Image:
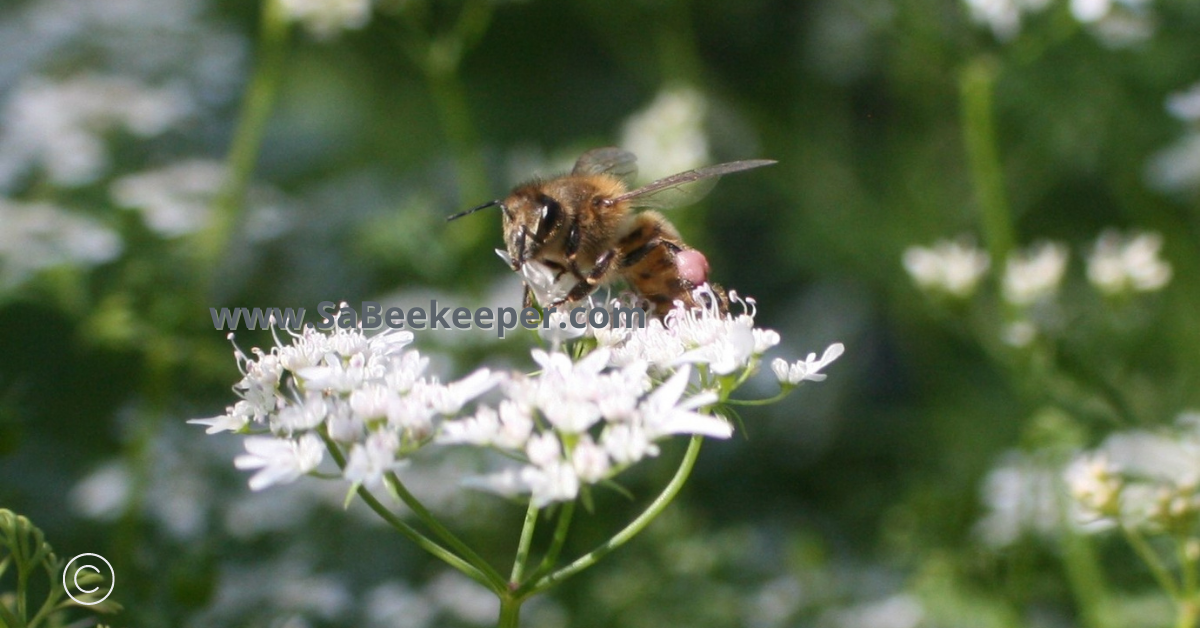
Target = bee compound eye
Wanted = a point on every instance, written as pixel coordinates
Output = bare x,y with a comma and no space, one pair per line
551,214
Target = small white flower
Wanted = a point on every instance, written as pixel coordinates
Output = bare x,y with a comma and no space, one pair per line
231,421
544,449
326,18
663,414
1121,264
369,461
954,268
515,426
302,416
1096,485
554,483
808,369
589,460
627,443
1035,273
480,430
280,460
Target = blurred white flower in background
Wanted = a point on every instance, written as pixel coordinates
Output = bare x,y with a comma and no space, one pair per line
898,611
1115,23
1035,273
1003,16
668,136
177,199
37,236
327,18
950,267
1128,263
1177,167
1021,496
1146,481
60,125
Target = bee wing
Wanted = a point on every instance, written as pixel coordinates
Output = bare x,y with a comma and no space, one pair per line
609,160
685,188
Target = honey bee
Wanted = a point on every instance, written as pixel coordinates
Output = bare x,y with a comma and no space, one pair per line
590,224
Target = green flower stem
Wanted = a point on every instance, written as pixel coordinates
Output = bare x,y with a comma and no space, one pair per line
637,525
424,542
1153,561
1187,602
510,612
439,58
1086,580
408,531
247,139
761,402
556,544
987,176
531,516
444,533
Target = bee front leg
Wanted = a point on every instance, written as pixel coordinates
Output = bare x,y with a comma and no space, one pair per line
571,248
527,299
587,283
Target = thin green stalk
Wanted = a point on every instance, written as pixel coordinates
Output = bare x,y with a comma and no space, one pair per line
247,139
531,517
760,402
987,176
1153,561
1085,579
556,544
444,533
1187,603
454,113
424,542
510,612
637,525
408,531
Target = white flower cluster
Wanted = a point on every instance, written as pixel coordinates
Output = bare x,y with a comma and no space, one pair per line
1141,480
327,18
1114,22
1177,167
668,135
60,125
576,421
1118,264
1121,264
177,199
37,236
950,267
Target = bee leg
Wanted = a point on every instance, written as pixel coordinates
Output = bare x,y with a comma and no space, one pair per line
527,300
587,283
570,248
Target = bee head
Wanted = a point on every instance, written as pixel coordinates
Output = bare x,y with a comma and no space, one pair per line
532,219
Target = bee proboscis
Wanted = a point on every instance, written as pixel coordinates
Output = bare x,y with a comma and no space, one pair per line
587,223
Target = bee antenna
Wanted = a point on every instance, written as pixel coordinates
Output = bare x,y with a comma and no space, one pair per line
475,209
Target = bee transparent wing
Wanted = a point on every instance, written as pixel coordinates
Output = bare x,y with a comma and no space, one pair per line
685,188
609,160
